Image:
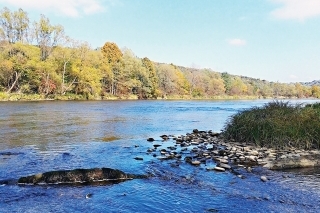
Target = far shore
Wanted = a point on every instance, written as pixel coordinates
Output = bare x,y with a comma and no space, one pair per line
73,97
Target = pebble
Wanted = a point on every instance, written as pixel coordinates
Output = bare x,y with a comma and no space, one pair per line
196,162
225,166
223,161
219,169
254,152
252,158
242,158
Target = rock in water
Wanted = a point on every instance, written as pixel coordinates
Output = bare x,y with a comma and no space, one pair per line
89,195
264,178
78,176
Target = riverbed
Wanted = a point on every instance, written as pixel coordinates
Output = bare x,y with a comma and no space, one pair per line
43,136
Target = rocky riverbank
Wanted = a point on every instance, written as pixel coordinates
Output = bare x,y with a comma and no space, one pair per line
202,147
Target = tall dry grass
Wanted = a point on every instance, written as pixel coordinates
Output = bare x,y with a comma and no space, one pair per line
278,125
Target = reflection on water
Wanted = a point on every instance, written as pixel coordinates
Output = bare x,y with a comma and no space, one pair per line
44,136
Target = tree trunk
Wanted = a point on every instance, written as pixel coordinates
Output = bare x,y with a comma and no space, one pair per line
15,82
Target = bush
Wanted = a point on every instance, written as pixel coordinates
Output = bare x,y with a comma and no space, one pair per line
277,125
4,96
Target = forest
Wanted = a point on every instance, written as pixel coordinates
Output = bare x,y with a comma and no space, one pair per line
39,61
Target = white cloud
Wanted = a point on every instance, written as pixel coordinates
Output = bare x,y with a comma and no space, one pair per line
293,77
237,42
296,9
71,8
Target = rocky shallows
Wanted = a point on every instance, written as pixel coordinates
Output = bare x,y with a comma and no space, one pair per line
202,147
79,176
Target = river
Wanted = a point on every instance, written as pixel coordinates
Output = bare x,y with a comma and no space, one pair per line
43,136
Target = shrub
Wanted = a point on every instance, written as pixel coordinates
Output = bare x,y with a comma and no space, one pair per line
277,124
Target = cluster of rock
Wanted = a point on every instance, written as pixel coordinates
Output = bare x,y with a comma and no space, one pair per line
198,147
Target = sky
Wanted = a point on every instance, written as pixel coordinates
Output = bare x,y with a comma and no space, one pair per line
273,40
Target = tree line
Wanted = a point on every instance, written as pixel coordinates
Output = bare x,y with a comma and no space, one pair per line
39,58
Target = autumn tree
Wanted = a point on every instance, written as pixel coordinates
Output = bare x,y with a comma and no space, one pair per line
112,56
238,87
167,79
315,90
216,85
183,85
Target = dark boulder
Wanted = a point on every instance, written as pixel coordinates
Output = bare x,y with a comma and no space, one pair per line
77,176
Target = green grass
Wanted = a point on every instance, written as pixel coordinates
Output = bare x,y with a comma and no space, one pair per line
278,125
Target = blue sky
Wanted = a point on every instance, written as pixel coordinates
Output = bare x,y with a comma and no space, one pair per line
275,40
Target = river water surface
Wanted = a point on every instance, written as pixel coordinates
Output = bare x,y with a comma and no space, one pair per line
43,136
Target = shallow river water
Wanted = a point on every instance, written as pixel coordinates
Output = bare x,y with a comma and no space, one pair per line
43,136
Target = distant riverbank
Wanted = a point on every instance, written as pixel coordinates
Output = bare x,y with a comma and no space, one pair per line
74,97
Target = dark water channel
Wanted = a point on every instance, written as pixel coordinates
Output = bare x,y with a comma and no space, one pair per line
44,136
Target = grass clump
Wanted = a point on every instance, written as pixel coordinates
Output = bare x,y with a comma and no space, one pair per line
278,125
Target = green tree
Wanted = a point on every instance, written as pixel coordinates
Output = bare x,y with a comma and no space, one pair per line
6,22
85,72
153,77
227,81
47,36
64,56
14,25
20,26
135,79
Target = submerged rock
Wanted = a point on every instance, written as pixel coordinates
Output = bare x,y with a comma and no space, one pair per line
79,176
138,158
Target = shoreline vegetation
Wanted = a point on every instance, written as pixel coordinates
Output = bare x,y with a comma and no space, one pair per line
38,61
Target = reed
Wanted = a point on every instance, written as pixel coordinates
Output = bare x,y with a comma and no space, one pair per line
277,125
